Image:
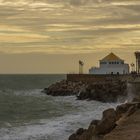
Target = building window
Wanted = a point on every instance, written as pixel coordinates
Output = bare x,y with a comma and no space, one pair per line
115,62
103,63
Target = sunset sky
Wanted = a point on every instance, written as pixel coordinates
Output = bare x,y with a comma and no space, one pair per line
50,36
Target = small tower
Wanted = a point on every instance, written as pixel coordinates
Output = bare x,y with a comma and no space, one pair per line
132,67
137,54
81,64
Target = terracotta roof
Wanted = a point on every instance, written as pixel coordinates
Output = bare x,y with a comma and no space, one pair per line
111,57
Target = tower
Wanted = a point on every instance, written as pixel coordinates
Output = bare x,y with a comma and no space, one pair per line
132,67
81,64
137,54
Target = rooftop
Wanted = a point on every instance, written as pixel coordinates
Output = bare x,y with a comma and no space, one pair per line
111,57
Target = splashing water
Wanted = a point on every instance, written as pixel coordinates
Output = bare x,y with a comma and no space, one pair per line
28,114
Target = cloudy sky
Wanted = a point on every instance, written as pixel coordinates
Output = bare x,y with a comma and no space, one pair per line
50,36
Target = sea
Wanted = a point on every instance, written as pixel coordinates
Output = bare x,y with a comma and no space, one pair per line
28,114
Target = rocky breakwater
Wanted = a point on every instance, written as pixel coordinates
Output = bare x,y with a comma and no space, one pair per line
105,91
108,90
111,125
64,88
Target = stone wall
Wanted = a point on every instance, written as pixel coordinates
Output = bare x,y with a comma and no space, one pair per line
135,88
88,78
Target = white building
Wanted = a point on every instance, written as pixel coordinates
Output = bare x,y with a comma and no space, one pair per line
111,64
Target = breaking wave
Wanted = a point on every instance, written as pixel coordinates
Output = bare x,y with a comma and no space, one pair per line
66,115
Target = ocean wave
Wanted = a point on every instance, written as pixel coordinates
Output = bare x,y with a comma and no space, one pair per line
58,127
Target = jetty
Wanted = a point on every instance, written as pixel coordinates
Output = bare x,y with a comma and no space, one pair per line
106,83
104,88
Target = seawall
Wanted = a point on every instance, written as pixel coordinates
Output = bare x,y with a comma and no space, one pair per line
133,80
88,78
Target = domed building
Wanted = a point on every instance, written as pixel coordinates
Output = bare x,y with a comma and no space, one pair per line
111,64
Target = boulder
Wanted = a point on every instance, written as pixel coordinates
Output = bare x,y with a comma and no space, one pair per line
136,99
105,91
121,109
76,136
131,110
107,123
80,131
127,109
64,88
95,122
99,129
73,137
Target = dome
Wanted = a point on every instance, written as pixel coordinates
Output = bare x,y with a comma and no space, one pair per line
111,57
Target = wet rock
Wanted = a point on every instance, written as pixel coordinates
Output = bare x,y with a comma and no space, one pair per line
95,122
99,129
64,88
76,136
105,91
131,110
80,131
121,109
136,99
127,109
107,123
73,137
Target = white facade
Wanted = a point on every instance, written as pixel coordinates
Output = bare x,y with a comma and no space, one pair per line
111,64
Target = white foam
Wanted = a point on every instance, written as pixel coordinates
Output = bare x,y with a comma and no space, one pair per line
35,92
58,128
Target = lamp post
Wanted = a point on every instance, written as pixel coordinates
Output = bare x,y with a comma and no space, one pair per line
81,64
137,55
132,67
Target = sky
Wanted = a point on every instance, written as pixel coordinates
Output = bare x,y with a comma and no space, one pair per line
50,36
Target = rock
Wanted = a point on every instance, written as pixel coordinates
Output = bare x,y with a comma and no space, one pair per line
73,137
105,91
121,109
76,136
95,122
134,106
80,131
129,126
136,99
99,129
107,123
127,109
131,110
64,88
